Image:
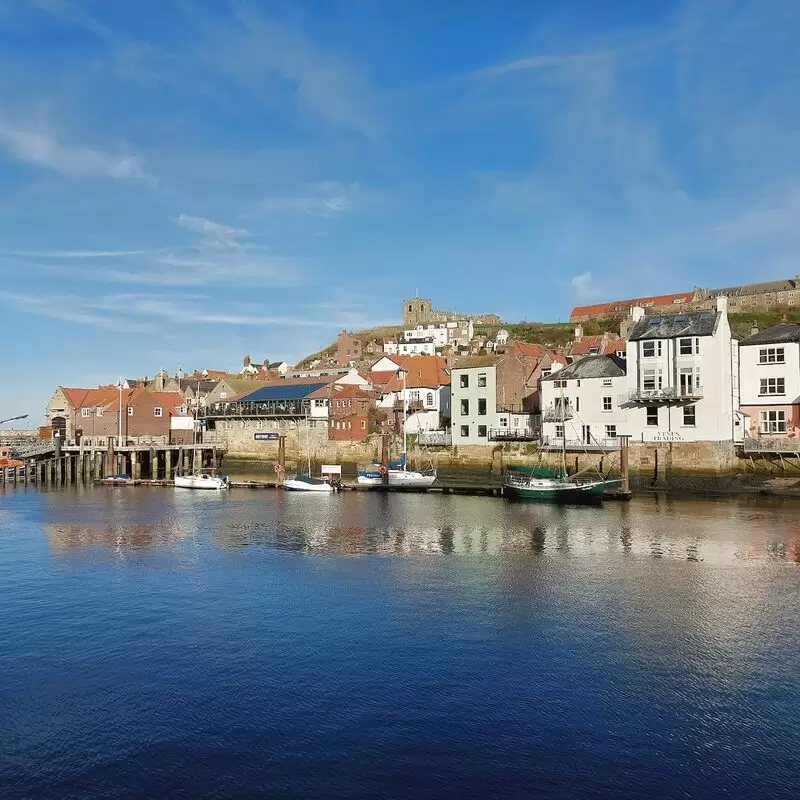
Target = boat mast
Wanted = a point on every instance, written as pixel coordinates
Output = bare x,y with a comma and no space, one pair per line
563,438
405,419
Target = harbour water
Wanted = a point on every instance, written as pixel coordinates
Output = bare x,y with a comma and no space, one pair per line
161,643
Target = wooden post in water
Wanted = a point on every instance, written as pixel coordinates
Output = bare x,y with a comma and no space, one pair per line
624,464
111,463
168,464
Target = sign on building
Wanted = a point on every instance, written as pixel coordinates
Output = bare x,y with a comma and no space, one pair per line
265,437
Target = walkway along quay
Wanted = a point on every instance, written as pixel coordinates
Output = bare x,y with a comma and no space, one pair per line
68,464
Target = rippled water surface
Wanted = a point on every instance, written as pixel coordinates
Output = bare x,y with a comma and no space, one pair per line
156,643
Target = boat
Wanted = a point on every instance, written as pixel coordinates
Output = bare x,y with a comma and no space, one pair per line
555,486
397,475
117,480
201,480
305,483
560,490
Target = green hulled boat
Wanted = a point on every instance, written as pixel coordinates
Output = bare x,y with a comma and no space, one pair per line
553,489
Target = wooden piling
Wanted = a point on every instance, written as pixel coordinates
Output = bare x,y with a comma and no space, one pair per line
624,464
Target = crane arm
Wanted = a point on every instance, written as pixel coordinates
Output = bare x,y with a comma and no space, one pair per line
13,419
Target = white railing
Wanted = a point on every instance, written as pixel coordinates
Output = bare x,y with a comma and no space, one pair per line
435,438
665,394
771,444
555,443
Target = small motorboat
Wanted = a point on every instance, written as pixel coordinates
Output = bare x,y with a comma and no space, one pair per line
201,480
305,483
117,480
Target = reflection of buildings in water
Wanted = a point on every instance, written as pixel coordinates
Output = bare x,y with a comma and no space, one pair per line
73,535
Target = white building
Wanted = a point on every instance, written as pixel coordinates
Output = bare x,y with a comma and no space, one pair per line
423,382
410,347
459,332
769,377
478,415
581,403
683,377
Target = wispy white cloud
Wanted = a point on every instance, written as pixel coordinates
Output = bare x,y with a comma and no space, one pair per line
70,12
583,285
224,234
319,199
42,149
141,313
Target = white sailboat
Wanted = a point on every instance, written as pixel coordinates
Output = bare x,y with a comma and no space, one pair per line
305,483
199,479
399,477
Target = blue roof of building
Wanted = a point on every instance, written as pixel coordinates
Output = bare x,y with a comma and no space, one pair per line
292,391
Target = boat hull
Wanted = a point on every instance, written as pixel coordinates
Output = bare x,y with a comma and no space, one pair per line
204,481
399,479
293,485
551,492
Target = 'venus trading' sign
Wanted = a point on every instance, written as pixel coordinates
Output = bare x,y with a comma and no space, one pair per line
265,437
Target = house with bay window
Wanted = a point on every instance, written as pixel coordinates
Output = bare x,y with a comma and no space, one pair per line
769,369
683,377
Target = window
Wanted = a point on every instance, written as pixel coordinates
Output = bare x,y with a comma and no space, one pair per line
98,412
319,402
652,415
649,380
620,354
86,412
577,404
559,431
465,431
182,410
560,384
773,422
771,355
158,411
415,395
429,400
651,349
130,411
464,408
481,379
689,416
363,424
688,347
503,422
463,381
606,381
773,386
482,407
482,431
546,373
606,404
223,395
611,431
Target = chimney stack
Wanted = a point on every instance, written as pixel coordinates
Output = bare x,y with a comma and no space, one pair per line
578,332
247,361
754,329
722,304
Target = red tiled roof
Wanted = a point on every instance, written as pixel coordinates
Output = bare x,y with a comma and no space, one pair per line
89,398
588,343
422,372
381,378
617,306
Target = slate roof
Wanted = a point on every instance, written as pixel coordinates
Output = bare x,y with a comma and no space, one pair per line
473,362
590,367
670,326
765,287
291,391
785,332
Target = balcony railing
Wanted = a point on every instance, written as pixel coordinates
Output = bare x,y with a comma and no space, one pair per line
412,406
667,394
513,435
266,408
771,444
557,413
596,445
435,438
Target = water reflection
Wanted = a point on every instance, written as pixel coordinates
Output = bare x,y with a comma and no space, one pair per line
355,524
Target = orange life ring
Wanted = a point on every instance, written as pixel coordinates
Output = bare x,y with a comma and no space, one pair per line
382,469
278,468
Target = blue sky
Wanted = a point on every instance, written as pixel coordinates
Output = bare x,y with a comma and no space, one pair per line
186,182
